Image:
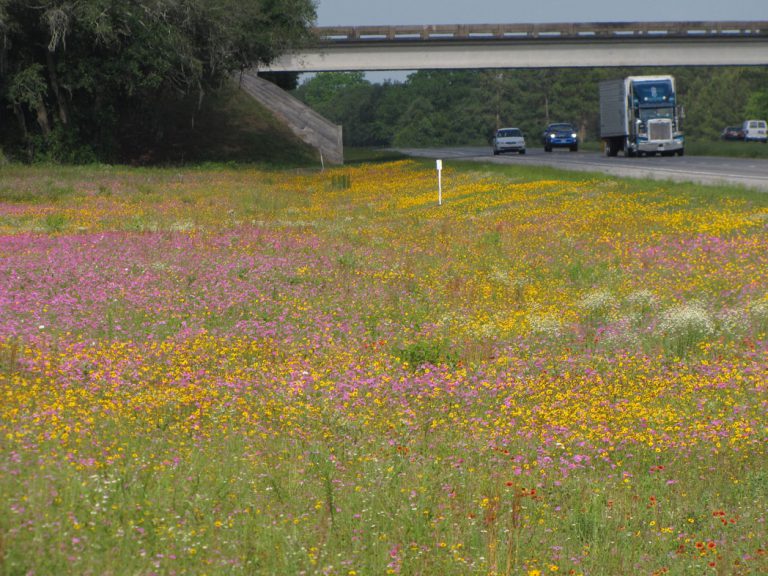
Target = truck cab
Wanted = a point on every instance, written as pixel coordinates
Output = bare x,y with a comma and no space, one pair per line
640,115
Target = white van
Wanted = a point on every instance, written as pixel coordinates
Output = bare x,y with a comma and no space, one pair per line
755,131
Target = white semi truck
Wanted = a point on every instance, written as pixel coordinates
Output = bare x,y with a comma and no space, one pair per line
640,115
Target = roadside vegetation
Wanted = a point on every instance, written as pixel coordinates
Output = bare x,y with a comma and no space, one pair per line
246,370
701,147
727,149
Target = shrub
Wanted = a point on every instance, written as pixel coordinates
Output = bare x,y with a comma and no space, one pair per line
434,352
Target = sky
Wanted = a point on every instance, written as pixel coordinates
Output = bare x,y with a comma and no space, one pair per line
391,12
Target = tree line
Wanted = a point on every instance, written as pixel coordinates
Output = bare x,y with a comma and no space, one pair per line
465,107
110,80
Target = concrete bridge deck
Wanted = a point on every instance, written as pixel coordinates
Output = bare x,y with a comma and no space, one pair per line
463,46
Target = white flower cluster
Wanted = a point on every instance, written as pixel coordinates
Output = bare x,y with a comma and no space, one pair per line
734,321
599,304
545,325
500,276
687,323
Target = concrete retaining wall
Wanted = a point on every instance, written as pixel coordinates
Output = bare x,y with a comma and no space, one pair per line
307,124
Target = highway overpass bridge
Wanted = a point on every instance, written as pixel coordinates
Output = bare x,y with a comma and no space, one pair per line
477,46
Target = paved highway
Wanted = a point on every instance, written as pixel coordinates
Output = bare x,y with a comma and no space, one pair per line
750,173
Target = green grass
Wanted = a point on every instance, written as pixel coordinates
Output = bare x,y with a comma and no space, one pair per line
730,149
697,147
357,155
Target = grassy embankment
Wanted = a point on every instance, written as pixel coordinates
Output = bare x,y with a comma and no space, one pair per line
253,371
230,127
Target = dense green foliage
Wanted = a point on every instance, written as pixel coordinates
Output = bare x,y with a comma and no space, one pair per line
116,79
464,107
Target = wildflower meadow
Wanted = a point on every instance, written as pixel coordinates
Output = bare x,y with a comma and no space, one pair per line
289,372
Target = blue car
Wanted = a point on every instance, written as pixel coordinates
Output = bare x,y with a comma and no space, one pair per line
560,135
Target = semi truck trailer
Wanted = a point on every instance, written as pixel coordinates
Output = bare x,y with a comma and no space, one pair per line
640,115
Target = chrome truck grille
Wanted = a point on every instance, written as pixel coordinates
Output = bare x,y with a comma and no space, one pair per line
660,130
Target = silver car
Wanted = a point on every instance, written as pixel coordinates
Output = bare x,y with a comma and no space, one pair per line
508,140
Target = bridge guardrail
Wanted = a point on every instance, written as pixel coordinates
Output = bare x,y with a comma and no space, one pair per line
565,31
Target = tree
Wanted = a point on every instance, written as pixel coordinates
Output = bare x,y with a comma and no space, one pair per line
349,99
416,126
390,99
113,74
322,91
757,105
712,98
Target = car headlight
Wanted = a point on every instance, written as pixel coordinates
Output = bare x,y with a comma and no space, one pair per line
552,135
573,135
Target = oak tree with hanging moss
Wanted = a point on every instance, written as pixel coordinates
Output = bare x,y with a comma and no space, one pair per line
107,79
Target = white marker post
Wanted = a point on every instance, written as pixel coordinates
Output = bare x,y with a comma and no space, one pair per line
439,182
